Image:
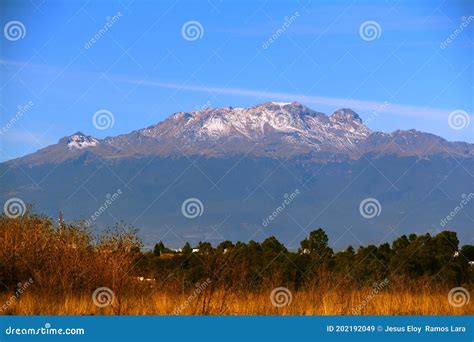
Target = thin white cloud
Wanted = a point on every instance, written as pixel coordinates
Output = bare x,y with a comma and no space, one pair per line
357,105
362,106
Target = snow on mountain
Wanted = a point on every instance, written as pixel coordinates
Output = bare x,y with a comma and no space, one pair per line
281,129
281,103
79,141
252,154
268,122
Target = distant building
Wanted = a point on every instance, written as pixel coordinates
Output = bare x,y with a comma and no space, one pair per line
143,279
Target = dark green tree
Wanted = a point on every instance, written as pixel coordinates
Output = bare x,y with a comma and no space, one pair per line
225,246
205,248
187,249
316,244
159,248
467,252
271,244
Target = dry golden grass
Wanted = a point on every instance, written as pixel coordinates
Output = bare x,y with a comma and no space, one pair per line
222,303
64,267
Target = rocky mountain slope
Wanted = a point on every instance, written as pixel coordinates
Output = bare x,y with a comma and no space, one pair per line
242,163
268,129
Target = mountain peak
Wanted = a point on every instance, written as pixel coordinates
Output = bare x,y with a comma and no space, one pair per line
78,133
271,104
346,114
79,141
281,129
270,125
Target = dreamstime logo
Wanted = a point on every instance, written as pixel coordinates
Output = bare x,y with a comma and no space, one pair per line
465,21
205,106
109,22
200,287
376,289
110,198
286,202
103,119
103,296
192,30
458,119
370,30
370,207
14,207
21,110
376,112
282,120
287,21
14,30
20,289
47,329
465,201
280,297
192,208
458,296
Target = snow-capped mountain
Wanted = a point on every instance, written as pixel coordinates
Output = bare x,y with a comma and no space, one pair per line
268,129
240,163
271,128
79,141
288,122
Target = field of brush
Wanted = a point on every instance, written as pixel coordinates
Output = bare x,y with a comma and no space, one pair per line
47,269
361,302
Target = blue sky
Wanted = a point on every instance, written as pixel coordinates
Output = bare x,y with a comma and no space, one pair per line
142,69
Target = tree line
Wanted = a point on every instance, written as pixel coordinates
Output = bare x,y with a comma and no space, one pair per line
409,261
68,258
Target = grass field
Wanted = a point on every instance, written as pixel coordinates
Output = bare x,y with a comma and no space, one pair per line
222,303
46,270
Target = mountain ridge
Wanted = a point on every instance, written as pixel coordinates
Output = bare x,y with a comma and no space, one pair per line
278,129
240,163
